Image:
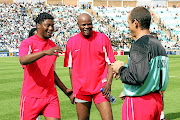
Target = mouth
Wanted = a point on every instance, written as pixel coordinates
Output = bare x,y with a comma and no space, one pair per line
87,31
49,33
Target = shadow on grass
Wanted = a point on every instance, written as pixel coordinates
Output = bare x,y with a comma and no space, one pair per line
172,116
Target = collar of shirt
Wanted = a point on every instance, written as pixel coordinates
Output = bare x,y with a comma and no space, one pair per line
141,37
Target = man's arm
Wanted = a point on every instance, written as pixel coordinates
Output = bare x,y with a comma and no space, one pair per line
66,91
107,87
70,74
135,73
27,59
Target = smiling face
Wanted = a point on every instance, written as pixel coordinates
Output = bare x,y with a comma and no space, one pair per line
85,25
45,28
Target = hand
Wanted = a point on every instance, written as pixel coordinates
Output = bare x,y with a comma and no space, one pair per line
69,93
122,95
116,75
107,90
53,51
116,65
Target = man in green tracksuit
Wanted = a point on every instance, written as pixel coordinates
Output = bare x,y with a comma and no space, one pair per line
146,73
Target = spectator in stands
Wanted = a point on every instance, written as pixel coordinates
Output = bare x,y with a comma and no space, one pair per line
88,56
146,73
38,53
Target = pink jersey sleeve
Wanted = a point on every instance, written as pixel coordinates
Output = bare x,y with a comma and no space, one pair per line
110,56
25,48
68,56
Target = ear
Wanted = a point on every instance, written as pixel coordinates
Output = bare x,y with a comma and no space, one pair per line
38,25
136,23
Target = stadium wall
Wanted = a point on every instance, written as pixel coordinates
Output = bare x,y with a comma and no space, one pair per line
70,2
130,3
119,52
6,1
100,3
54,2
62,2
173,3
115,3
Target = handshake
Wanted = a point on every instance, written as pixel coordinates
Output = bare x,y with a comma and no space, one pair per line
116,65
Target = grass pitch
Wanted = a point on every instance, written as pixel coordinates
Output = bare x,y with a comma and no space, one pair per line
11,78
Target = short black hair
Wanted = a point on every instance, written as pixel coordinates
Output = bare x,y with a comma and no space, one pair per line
43,16
142,15
31,32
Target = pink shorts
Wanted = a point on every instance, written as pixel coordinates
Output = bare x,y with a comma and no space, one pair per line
97,98
147,107
31,107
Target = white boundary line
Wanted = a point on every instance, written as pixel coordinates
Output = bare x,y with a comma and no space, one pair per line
175,76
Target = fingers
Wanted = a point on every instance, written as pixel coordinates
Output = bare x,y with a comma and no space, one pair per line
72,98
73,101
106,92
117,77
122,96
57,49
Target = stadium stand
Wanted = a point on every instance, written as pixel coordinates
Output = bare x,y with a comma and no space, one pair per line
16,19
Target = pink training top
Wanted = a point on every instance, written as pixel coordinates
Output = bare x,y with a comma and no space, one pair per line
39,75
88,58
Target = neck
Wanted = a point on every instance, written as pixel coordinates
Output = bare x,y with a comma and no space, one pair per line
39,35
142,32
87,36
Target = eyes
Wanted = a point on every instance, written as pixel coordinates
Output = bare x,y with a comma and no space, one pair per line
89,24
49,25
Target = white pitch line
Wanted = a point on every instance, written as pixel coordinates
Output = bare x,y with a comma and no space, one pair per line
175,76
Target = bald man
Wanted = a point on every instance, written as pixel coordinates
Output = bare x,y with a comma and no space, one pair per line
88,56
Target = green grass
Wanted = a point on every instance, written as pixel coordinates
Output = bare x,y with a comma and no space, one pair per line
11,78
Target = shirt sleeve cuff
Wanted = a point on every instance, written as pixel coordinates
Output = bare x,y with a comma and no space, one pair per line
121,69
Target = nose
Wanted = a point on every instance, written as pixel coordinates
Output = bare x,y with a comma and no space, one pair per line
86,26
51,28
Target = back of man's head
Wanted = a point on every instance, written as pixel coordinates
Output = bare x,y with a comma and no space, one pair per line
43,16
142,15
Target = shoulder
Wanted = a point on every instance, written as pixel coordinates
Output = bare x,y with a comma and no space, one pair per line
27,41
51,43
74,38
100,36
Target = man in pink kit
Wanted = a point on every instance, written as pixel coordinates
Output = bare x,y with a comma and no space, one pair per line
88,56
38,53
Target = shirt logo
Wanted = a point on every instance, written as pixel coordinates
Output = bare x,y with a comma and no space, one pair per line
104,80
36,50
77,50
